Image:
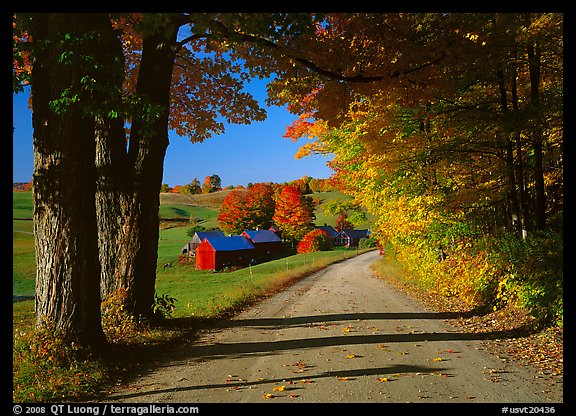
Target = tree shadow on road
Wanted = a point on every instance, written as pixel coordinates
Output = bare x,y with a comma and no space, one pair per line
188,346
239,384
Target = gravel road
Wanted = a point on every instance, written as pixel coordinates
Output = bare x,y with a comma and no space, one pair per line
340,335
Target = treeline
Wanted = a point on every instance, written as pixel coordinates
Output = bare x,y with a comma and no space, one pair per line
212,183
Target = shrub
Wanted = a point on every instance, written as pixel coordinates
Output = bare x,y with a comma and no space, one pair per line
316,240
117,323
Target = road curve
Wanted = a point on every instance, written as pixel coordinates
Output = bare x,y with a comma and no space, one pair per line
340,335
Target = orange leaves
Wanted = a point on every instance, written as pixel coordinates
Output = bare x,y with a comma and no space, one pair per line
316,240
247,209
293,213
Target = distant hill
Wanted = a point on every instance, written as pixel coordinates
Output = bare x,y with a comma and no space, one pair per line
183,207
20,186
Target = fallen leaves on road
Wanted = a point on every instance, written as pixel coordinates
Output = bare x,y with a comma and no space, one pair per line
349,356
279,388
384,379
268,396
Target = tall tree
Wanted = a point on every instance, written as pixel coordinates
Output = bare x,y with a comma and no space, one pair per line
70,79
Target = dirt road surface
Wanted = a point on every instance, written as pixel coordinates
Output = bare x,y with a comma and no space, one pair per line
340,335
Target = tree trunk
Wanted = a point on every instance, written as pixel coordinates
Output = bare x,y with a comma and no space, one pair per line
534,68
148,144
130,183
522,197
67,267
514,210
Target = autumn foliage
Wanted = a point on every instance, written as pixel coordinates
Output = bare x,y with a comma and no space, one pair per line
451,137
293,213
315,240
247,209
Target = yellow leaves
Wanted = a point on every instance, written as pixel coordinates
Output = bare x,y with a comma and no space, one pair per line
438,359
351,356
268,396
383,379
279,388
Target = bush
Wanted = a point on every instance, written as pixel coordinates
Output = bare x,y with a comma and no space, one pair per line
48,368
369,242
316,240
534,274
117,323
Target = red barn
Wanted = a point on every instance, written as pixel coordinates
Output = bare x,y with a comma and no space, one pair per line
221,252
266,243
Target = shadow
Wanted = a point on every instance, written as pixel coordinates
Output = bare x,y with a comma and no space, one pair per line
381,371
16,298
243,349
180,212
180,349
276,323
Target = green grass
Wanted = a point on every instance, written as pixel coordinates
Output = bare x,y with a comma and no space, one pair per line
22,205
23,258
207,294
185,212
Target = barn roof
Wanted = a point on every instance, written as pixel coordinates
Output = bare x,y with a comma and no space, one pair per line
262,236
355,233
233,243
328,229
201,235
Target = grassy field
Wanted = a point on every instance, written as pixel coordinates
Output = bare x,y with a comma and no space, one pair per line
203,208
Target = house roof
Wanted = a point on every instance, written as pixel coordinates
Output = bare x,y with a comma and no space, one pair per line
199,236
355,233
328,229
233,243
262,236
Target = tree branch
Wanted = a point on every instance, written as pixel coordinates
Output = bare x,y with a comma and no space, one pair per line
360,78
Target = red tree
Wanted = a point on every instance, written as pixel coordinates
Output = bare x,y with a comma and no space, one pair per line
315,240
247,209
294,213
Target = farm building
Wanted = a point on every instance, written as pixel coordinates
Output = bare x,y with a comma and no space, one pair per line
220,252
190,247
266,243
350,238
328,229
276,230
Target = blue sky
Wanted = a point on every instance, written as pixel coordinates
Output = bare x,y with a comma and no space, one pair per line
244,153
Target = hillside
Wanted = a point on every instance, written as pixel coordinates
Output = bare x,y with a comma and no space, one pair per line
182,207
204,207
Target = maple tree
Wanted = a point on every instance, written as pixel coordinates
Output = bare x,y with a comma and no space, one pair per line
342,222
211,183
315,240
293,214
247,209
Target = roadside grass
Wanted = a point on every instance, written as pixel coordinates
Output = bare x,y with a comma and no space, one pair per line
207,294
